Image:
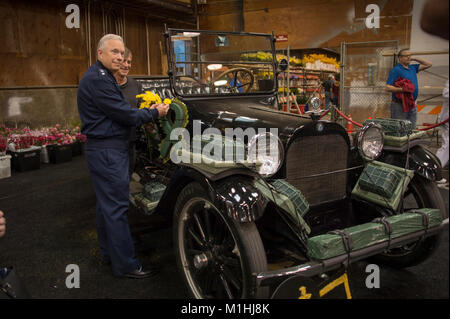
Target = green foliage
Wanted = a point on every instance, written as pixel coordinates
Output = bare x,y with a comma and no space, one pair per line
302,99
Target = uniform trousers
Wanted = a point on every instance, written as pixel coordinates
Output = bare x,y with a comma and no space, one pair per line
110,177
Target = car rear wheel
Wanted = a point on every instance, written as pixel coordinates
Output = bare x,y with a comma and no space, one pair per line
421,193
216,254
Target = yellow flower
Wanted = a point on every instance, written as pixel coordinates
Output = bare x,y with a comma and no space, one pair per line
149,98
167,101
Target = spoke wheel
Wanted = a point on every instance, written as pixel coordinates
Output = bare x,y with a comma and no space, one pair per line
215,254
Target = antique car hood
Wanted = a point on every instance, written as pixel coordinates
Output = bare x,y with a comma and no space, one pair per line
244,113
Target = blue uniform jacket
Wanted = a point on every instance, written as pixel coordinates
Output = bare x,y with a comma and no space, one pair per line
106,116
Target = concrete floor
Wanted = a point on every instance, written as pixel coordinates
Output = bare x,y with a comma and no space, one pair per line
51,224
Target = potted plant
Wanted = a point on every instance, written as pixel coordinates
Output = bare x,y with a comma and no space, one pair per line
59,148
24,155
3,139
79,141
302,99
39,139
5,160
265,82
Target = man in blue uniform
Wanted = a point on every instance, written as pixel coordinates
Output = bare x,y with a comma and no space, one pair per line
408,71
106,119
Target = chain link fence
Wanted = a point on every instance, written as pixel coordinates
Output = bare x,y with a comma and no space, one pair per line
365,67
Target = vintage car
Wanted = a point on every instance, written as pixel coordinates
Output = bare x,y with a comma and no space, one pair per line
256,196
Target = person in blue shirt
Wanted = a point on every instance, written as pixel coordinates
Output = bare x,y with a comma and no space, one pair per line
407,71
236,85
106,120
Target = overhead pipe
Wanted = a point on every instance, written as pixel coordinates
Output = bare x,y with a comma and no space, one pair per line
168,19
171,6
88,31
242,15
5,88
147,45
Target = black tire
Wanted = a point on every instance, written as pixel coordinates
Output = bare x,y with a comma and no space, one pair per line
215,254
426,194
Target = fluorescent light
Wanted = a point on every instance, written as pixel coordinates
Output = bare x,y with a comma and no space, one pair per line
213,67
220,83
191,34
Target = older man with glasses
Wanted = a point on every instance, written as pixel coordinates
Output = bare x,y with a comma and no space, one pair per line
106,119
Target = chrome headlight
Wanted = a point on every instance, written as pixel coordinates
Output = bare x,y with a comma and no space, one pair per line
370,141
267,149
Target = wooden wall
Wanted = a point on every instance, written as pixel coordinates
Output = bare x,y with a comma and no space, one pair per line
37,46
41,51
43,60
311,23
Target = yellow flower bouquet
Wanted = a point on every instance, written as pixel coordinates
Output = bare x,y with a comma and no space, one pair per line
149,98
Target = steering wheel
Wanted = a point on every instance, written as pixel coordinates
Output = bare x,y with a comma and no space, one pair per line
196,84
190,79
243,73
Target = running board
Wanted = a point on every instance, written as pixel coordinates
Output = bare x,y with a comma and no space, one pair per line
314,268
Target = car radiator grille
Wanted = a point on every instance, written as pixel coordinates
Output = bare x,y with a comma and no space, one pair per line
314,155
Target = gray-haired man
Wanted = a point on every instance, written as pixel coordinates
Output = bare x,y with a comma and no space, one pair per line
106,119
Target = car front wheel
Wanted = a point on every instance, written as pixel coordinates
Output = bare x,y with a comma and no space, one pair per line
216,254
421,193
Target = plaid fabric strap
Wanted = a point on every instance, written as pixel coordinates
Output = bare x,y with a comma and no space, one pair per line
347,240
387,228
425,220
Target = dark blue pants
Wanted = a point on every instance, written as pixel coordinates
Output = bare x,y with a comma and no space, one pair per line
110,177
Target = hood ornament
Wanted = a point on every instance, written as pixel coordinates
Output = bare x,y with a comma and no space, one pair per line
314,108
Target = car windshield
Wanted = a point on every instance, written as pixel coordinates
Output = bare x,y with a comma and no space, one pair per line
212,63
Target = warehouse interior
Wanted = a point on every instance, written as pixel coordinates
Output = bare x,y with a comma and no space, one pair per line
49,191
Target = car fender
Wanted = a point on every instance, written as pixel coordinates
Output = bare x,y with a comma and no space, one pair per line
235,194
421,160
180,178
239,198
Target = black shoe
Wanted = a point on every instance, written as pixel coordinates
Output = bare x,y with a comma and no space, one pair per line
105,262
141,273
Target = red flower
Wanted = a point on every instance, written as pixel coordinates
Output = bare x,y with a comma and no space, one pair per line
2,144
